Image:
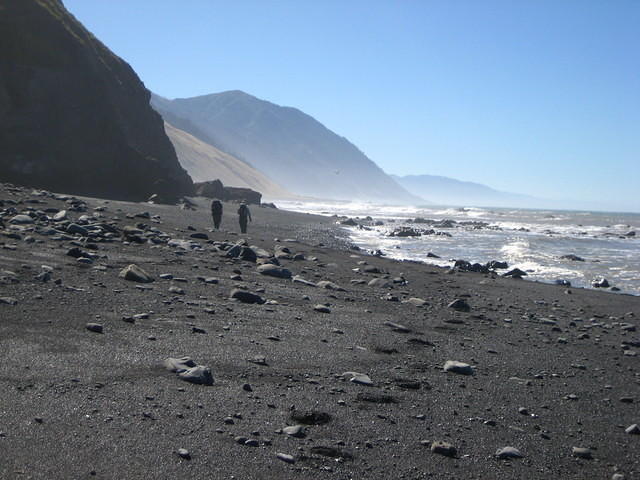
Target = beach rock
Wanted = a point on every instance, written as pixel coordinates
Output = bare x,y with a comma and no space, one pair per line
572,257
633,429
515,273
396,327
285,457
418,302
178,365
466,266
76,252
8,301
246,297
460,305
601,283
458,367
496,265
94,327
371,269
405,232
184,453
508,452
134,273
380,283
299,279
199,375
310,417
322,308
274,271
176,290
21,220
297,431
74,228
199,236
330,286
359,378
581,452
443,448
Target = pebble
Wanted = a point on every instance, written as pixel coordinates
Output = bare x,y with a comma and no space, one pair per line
396,327
330,286
633,429
94,327
200,375
508,452
418,302
581,452
21,220
297,431
458,367
274,271
8,301
443,448
322,308
285,457
460,305
359,378
184,453
246,297
134,273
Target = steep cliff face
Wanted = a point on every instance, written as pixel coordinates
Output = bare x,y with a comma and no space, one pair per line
74,117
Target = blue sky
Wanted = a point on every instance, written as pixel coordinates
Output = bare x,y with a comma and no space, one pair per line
537,97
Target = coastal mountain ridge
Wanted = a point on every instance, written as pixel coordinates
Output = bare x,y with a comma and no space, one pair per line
204,162
449,191
73,115
287,145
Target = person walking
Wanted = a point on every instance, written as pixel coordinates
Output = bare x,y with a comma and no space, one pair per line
243,215
216,213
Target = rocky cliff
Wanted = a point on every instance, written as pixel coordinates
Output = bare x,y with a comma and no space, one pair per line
74,117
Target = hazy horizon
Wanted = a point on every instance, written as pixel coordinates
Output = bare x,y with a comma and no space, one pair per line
532,98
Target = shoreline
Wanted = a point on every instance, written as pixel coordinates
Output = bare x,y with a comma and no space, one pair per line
546,253
550,370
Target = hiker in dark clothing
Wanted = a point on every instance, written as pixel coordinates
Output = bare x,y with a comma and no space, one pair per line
216,213
243,214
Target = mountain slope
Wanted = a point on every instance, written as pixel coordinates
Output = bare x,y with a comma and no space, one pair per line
287,145
449,191
205,162
73,115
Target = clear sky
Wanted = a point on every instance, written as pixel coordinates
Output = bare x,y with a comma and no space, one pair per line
538,97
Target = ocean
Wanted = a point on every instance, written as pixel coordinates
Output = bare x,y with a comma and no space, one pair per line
531,240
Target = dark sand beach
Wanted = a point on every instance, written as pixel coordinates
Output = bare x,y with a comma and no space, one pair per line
552,369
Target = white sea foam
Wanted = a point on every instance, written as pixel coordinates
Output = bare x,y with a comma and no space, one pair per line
526,239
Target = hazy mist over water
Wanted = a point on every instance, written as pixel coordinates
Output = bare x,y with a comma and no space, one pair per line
532,240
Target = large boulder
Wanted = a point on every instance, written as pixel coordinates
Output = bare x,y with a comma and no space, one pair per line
210,189
241,194
74,116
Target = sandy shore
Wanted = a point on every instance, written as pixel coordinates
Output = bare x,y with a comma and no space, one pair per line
552,368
